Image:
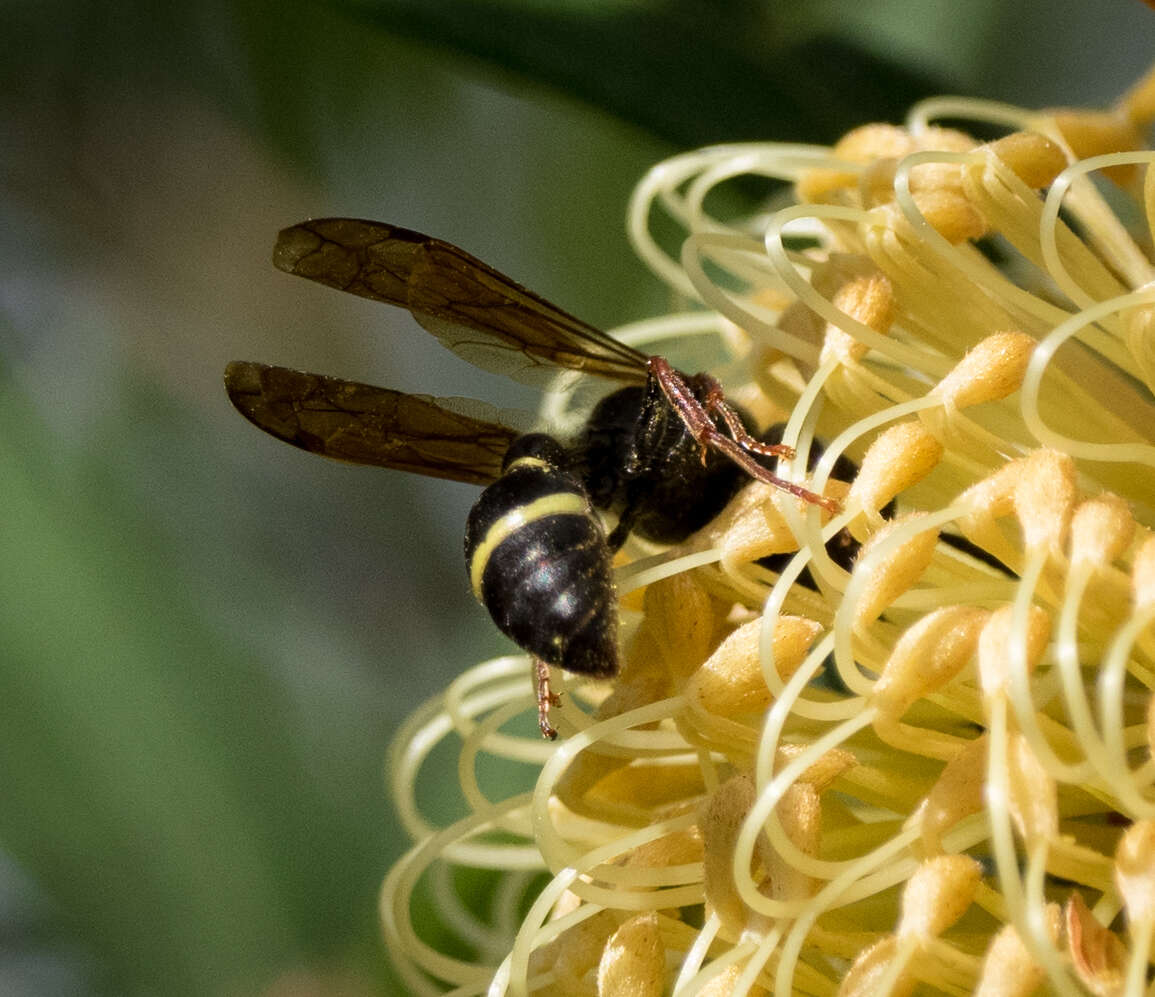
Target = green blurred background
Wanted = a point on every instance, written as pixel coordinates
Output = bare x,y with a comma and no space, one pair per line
207,638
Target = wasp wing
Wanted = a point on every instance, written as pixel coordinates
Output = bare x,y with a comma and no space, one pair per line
452,438
479,313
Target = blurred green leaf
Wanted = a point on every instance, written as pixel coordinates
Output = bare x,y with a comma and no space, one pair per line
690,71
152,769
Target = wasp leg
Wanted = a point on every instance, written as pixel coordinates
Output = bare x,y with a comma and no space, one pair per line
618,535
545,699
715,401
696,417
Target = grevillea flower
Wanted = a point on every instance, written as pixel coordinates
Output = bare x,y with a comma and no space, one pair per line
904,747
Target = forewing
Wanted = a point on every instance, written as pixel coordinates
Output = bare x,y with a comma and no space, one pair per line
479,313
443,438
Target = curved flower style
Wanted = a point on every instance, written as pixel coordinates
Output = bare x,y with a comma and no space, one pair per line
904,747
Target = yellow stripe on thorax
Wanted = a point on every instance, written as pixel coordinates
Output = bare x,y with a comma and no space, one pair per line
558,503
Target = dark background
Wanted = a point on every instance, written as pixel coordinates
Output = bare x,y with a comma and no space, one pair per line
207,638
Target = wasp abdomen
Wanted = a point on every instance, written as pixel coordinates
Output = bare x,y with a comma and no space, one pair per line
538,561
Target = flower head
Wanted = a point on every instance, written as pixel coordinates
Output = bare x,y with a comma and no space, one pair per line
899,745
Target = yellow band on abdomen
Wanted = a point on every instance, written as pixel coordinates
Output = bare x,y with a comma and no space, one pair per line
559,503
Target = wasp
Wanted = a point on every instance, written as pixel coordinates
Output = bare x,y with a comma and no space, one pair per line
664,453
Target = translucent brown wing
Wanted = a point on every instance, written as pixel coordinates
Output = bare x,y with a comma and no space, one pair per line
457,439
479,313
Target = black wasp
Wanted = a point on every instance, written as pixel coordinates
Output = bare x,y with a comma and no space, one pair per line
664,454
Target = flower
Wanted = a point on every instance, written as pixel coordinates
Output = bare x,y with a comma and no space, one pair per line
909,744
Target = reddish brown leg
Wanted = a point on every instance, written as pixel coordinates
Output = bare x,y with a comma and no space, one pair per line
700,425
545,699
716,402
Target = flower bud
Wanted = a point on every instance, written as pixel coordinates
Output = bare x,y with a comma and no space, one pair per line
957,793
730,682
1101,530
821,773
899,457
680,616
861,145
748,528
938,894
927,656
721,818
576,951
992,370
951,215
1032,157
1031,793
870,966
995,651
800,812
994,496
634,960
1045,498
1009,970
1095,133
675,848
868,299
724,984
888,578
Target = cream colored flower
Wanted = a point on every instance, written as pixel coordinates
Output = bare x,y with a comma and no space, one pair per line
817,775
